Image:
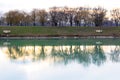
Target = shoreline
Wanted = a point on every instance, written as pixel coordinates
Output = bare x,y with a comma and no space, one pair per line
58,37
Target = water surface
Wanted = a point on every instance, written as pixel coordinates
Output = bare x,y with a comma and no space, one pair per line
60,59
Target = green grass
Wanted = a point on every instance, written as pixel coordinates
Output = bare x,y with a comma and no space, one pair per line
84,31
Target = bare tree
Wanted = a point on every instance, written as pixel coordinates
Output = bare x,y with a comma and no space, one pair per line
42,16
53,16
82,15
14,17
71,13
115,13
34,16
62,16
26,19
98,15
9,18
77,18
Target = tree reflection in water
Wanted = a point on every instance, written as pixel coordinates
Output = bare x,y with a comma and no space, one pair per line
64,54
82,56
14,52
98,56
42,54
115,54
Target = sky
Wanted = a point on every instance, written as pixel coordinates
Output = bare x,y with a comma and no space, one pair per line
27,5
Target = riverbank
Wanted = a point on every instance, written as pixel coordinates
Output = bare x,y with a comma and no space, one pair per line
63,32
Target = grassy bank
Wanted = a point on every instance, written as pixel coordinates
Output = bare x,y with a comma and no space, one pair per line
58,31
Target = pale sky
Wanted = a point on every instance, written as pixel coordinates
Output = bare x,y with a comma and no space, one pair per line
27,5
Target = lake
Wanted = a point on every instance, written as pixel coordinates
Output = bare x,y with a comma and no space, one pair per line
60,59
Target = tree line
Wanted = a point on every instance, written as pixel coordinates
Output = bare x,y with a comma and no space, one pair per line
62,16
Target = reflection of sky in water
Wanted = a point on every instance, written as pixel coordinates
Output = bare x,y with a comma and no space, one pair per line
45,71
48,70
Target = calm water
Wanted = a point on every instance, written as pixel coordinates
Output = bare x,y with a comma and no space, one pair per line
60,59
